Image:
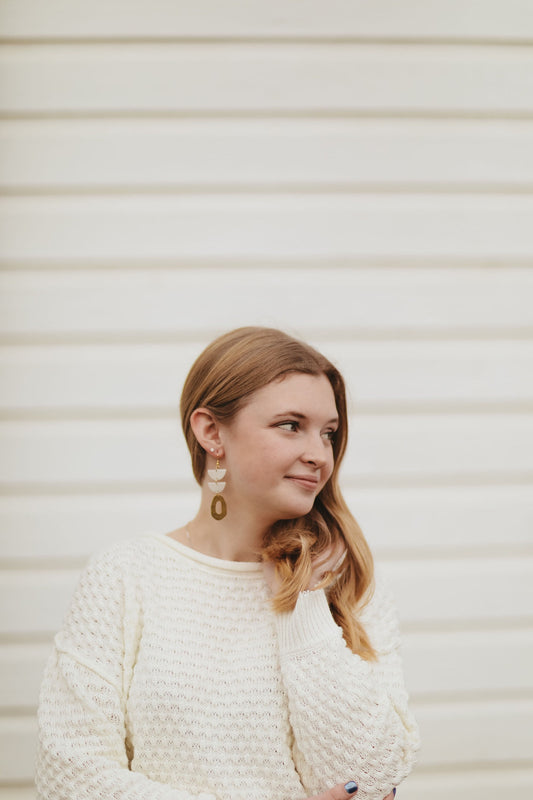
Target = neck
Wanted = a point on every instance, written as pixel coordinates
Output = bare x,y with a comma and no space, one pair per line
237,537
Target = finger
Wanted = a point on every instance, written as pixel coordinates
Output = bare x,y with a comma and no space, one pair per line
342,791
329,562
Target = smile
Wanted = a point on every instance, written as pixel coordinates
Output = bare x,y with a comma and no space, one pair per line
305,481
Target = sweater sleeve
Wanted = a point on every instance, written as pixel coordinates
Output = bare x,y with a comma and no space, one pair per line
349,716
82,751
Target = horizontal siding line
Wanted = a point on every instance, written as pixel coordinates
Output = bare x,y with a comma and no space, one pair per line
17,712
474,766
511,478
425,700
34,638
360,409
71,564
382,555
57,489
499,551
313,263
261,114
72,339
495,479
54,564
285,42
280,39
467,625
151,190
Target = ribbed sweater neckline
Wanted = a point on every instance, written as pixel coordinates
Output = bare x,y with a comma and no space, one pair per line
217,564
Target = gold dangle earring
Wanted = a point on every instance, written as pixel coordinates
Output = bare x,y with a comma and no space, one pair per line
217,485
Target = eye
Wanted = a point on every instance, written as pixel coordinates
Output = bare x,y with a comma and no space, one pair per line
329,435
290,425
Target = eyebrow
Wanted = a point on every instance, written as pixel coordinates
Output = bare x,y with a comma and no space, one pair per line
299,415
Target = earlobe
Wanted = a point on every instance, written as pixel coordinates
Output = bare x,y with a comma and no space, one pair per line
205,428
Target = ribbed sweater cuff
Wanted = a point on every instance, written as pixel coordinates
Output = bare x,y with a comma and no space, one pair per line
310,622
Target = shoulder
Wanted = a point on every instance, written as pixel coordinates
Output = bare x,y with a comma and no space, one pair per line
380,618
111,569
126,555
107,586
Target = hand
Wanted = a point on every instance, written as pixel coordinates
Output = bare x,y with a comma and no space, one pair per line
339,792
330,560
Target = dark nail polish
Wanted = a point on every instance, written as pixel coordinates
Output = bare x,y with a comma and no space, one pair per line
351,787
394,791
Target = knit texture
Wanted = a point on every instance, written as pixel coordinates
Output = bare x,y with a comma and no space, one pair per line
173,679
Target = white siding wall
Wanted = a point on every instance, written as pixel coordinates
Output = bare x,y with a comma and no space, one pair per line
359,173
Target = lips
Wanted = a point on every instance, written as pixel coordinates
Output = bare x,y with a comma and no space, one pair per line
306,481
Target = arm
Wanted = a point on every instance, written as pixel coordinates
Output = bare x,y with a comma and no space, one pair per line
349,716
82,748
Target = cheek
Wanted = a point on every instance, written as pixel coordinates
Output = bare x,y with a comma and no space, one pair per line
330,466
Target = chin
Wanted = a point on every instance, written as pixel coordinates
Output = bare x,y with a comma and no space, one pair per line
295,512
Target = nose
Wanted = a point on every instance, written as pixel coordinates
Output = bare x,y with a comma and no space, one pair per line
316,453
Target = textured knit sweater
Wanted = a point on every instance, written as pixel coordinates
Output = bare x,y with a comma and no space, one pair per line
173,679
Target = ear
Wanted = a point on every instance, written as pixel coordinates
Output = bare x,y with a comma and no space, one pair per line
205,428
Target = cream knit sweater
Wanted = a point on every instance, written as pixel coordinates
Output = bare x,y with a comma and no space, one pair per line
172,679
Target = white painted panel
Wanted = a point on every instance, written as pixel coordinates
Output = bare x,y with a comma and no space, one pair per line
202,302
425,372
413,449
447,592
258,77
481,784
484,732
62,528
453,734
18,792
18,741
146,378
140,229
77,452
468,662
100,377
21,673
431,592
41,597
494,19
458,664
440,520
397,521
267,153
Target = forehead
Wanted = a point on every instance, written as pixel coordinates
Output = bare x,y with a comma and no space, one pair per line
297,391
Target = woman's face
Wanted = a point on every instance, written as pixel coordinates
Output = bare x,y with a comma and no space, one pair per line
278,449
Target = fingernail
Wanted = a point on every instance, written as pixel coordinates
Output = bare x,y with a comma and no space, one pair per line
394,791
351,787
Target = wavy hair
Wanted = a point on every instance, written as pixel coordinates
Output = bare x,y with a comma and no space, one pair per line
222,379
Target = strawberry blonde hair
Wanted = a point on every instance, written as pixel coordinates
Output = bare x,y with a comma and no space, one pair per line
222,379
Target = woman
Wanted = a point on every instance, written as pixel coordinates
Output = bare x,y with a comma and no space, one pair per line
245,654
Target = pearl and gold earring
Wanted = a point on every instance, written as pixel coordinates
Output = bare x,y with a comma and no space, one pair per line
217,485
